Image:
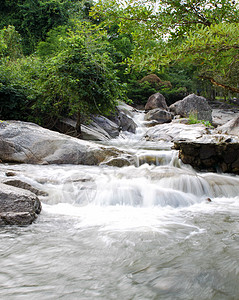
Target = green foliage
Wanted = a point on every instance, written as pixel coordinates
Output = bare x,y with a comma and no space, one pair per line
10,43
139,92
193,119
80,76
76,76
214,51
18,87
203,33
34,18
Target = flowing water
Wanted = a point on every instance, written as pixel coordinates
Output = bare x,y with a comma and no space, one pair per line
139,232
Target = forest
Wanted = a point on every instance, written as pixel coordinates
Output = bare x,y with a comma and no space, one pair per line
70,57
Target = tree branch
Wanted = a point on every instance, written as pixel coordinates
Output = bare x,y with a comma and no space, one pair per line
214,82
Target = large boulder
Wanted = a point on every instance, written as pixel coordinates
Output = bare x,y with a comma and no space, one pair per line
210,156
22,142
17,206
159,115
156,101
193,104
93,132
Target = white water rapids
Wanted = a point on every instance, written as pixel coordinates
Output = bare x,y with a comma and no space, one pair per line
137,232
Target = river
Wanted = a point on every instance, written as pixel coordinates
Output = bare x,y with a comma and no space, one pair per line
147,231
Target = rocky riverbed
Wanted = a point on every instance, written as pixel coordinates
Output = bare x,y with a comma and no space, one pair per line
205,148
155,227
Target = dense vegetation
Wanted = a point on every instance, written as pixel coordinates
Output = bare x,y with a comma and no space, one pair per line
68,57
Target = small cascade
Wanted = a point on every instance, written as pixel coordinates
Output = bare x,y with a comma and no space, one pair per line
141,193
222,185
157,158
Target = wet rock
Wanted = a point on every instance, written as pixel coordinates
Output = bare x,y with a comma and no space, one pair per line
156,101
210,156
118,162
176,131
193,104
24,185
17,206
231,127
10,174
22,142
159,115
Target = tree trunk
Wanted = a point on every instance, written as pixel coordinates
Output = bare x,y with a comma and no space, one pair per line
78,123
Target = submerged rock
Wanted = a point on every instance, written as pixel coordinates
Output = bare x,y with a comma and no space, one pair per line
17,206
118,162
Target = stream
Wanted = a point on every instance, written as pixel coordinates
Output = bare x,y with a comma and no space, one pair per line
156,230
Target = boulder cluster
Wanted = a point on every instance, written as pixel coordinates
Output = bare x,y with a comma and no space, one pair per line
157,111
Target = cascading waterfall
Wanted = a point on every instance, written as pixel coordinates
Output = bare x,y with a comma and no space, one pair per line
153,230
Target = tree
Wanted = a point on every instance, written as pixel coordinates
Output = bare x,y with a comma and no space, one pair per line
79,79
171,31
10,43
74,77
34,18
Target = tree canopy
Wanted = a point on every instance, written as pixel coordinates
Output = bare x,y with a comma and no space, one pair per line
203,33
70,73
68,57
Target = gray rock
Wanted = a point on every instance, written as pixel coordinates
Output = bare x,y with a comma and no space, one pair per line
123,117
124,121
175,131
24,185
159,115
119,162
22,142
17,206
156,101
231,127
193,104
91,131
110,127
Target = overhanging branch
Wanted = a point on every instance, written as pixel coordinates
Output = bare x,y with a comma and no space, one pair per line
227,87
